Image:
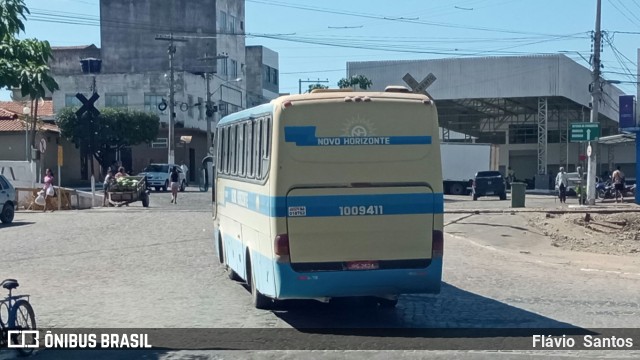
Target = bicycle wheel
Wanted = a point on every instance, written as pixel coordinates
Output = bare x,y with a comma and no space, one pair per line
22,317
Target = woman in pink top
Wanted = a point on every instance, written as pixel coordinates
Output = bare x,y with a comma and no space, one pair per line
48,183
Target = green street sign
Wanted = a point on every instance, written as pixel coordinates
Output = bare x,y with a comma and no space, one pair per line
584,131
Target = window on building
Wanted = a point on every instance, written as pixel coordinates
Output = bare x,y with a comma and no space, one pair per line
223,22
266,74
115,100
200,108
232,24
159,143
222,67
151,102
523,134
274,76
190,102
71,100
242,25
234,68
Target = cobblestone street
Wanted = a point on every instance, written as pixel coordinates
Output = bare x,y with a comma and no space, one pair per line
155,267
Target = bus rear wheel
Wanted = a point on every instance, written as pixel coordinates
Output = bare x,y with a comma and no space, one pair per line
259,301
385,303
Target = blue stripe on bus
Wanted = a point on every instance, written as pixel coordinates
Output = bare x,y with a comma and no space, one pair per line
329,205
306,136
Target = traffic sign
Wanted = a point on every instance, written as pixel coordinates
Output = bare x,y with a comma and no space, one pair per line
88,105
589,151
43,145
419,87
584,131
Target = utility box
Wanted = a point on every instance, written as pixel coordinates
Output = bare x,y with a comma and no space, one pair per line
518,191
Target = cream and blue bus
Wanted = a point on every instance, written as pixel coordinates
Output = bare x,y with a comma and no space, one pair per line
331,194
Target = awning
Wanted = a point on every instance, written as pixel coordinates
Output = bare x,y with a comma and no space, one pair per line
617,139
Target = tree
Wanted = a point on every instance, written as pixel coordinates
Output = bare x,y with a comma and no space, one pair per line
111,131
23,63
317,86
362,81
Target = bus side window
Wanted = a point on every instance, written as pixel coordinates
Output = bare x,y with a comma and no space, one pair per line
240,150
249,150
266,134
227,155
258,148
232,150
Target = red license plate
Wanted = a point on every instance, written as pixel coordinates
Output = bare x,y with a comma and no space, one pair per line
362,265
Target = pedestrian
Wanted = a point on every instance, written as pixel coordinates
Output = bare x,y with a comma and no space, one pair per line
581,193
121,173
49,190
561,185
105,186
185,171
175,184
618,182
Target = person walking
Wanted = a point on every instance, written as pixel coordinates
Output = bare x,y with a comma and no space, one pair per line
49,191
618,182
175,184
105,186
561,185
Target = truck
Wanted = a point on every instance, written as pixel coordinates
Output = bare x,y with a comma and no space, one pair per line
461,162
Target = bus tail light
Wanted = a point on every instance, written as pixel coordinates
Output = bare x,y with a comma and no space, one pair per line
287,104
437,244
282,245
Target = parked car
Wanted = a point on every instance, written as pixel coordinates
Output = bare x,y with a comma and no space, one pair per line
7,200
489,183
158,176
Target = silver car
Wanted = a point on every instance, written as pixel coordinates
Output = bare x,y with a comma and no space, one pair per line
7,200
158,176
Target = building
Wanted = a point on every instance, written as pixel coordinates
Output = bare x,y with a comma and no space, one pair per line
262,69
208,38
523,104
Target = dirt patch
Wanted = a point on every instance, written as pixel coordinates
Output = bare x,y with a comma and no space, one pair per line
616,234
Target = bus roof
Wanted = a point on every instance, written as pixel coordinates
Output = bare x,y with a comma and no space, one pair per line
325,95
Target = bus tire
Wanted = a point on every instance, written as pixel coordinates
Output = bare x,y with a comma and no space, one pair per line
259,301
456,189
220,252
233,275
385,303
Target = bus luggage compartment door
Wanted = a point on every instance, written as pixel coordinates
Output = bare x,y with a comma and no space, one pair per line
361,228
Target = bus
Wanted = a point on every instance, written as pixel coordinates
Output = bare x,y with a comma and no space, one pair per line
331,194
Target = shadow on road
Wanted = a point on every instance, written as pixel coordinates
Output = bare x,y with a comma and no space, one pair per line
16,224
494,225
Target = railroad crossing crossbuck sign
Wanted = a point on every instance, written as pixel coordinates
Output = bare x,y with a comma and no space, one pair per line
87,105
420,87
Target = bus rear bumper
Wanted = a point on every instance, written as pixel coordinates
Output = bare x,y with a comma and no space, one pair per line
327,284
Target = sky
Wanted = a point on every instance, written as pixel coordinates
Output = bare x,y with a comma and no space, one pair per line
315,39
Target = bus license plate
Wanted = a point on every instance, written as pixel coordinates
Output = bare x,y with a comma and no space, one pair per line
362,265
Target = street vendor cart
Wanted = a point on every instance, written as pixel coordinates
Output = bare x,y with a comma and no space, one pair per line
128,189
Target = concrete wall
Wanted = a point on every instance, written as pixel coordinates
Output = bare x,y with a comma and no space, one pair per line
66,60
130,46
258,91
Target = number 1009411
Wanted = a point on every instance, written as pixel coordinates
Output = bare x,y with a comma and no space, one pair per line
361,210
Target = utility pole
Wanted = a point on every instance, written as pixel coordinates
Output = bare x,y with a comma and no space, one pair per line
172,115
210,108
300,81
596,94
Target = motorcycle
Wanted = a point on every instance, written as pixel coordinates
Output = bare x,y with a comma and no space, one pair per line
605,190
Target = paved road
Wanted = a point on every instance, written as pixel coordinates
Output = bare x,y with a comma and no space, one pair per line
155,267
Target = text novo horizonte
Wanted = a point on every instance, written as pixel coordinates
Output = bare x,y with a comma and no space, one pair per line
588,341
358,140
